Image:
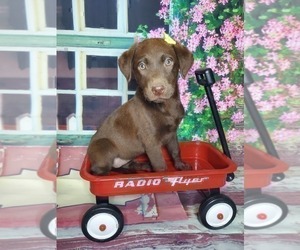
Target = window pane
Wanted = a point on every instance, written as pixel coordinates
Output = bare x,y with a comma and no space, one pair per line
66,107
97,108
50,6
12,109
64,15
49,112
13,15
65,70
14,73
101,14
51,72
102,72
132,85
130,96
144,12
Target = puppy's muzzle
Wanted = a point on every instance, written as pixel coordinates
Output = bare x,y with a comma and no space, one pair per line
158,91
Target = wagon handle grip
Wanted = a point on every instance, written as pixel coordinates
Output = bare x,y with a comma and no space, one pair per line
205,77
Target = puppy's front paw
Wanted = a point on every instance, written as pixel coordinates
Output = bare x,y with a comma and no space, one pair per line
180,165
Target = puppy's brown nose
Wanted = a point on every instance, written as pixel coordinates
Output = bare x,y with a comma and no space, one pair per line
159,90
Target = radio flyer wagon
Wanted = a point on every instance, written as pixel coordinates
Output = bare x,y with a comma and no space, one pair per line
210,171
261,210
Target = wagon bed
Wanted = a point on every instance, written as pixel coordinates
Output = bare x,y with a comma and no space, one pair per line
209,170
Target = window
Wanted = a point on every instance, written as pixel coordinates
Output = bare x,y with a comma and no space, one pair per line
63,68
92,34
27,78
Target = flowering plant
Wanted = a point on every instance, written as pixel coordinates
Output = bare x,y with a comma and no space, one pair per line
272,35
213,31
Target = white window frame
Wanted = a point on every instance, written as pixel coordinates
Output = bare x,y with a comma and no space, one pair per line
80,27
38,65
81,54
38,76
81,89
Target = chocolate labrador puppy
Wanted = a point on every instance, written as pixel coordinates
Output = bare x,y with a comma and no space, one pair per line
150,119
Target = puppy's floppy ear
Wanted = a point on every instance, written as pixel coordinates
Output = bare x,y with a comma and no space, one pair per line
125,62
185,58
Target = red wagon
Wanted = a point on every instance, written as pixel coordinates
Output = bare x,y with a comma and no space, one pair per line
210,170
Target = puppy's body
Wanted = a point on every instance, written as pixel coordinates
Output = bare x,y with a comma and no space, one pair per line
150,119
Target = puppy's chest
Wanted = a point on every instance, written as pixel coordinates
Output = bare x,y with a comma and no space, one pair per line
167,126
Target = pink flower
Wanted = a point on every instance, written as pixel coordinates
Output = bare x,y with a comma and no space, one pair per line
163,13
223,1
264,106
209,42
278,101
293,40
179,30
237,117
285,64
235,135
208,5
250,39
267,2
270,83
249,6
233,64
251,135
211,62
165,2
193,42
212,135
293,90
230,101
157,33
222,69
217,92
283,135
240,90
197,13
200,105
224,43
250,63
185,99
196,65
240,41
222,106
290,117
202,30
183,85
225,83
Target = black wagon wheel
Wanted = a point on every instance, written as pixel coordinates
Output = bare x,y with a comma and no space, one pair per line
263,211
103,222
217,211
48,224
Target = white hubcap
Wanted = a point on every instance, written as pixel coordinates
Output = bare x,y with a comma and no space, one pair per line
219,215
102,226
262,214
52,226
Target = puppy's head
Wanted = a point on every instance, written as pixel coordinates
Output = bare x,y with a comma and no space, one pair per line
155,65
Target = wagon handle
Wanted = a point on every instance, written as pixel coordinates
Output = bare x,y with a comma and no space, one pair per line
205,77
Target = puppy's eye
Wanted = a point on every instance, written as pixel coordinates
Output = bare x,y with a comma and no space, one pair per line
142,66
169,61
